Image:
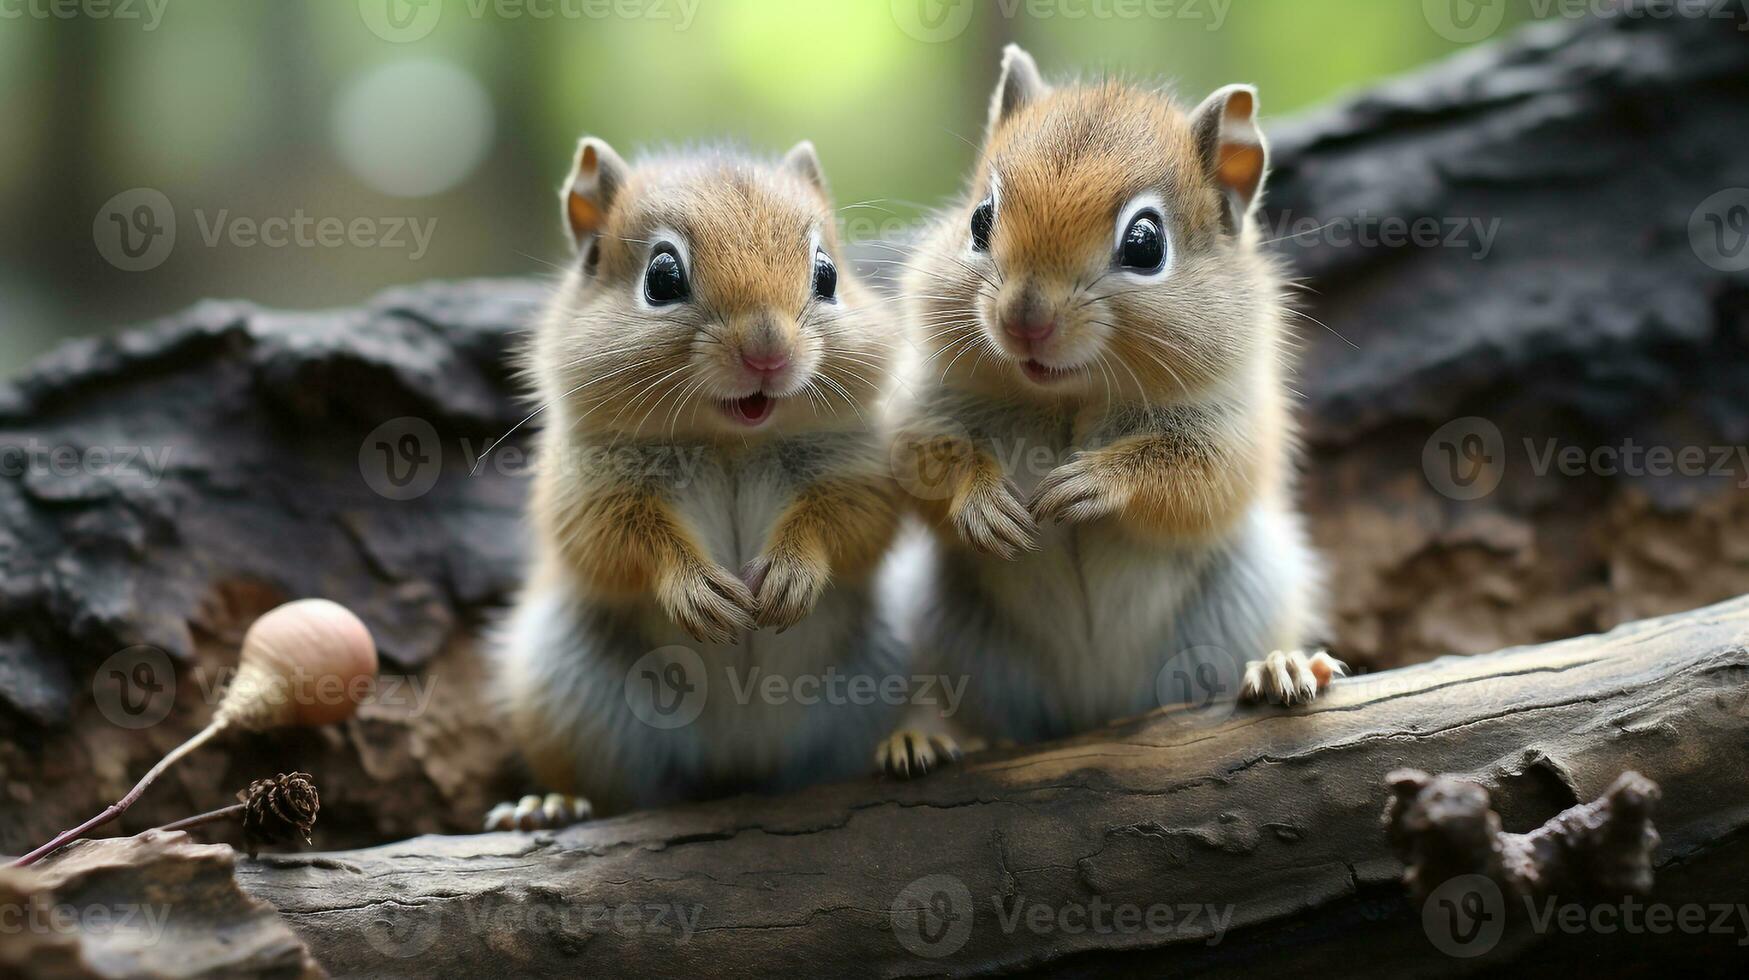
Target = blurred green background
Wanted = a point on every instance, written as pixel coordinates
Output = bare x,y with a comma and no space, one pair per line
457,118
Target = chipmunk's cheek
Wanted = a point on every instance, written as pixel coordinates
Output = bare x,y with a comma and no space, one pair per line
718,379
813,357
989,322
1058,340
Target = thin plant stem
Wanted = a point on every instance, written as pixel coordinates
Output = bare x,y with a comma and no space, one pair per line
202,819
120,806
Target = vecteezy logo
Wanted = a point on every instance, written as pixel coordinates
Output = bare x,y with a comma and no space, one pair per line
932,916
667,687
401,21
1465,917
1202,678
135,230
926,458
135,688
1464,21
401,458
402,930
1465,458
1719,230
933,21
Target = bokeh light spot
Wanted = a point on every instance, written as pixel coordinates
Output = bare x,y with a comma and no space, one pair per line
413,128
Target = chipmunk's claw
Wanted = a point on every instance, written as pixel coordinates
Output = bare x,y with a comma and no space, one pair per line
1074,494
994,521
785,589
533,812
709,603
910,754
1290,677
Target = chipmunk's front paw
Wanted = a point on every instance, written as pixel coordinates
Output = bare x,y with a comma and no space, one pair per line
908,753
708,602
993,520
785,588
548,812
1290,677
1075,492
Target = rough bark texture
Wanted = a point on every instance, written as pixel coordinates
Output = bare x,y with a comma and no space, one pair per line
267,421
1591,320
157,905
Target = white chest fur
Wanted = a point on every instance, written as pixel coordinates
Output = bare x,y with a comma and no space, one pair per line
731,503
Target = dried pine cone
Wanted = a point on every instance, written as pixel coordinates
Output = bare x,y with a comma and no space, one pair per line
277,809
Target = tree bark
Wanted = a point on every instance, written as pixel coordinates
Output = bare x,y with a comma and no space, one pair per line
1572,178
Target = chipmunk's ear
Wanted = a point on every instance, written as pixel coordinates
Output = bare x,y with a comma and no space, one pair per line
1231,149
1020,84
597,175
802,161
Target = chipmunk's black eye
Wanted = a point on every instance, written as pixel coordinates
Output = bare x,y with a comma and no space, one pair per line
825,275
983,219
665,278
1144,245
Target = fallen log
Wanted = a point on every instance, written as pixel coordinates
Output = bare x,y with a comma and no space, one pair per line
1202,840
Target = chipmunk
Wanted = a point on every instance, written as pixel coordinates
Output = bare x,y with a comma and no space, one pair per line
1101,409
710,491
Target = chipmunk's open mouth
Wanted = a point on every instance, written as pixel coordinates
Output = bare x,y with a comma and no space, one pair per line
1043,374
751,411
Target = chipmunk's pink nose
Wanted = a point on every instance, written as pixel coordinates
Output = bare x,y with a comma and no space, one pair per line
764,363
1030,328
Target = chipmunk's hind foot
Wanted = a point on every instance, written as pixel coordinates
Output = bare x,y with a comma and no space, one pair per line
910,754
532,812
1290,677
